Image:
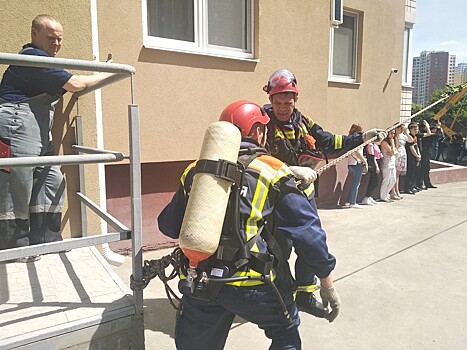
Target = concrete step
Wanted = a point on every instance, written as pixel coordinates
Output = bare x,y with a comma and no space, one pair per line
442,173
70,300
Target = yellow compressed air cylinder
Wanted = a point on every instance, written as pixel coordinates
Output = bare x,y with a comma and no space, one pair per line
204,216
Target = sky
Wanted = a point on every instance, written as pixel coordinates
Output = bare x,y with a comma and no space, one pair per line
441,25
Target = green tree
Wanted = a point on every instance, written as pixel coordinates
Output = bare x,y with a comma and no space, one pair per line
459,109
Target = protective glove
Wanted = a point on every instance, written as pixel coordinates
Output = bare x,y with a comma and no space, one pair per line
306,174
379,133
329,297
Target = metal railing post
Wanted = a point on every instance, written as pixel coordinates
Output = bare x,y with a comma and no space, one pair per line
136,212
136,223
82,181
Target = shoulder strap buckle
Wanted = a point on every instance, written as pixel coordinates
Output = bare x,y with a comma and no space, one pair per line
221,168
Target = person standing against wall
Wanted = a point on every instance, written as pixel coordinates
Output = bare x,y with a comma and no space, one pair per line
388,167
428,138
372,154
413,160
401,137
356,162
31,198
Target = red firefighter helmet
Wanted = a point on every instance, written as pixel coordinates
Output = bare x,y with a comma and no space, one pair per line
282,80
243,114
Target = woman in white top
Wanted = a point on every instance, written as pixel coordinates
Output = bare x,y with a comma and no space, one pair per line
388,166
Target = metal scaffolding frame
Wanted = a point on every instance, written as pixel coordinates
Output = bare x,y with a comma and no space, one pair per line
89,155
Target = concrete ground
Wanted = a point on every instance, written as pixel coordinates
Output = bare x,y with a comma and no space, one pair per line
401,274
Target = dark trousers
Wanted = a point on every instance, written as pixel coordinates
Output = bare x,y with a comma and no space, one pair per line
203,325
372,183
424,174
412,173
303,274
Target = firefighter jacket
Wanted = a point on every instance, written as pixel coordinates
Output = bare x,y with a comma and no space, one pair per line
290,139
268,193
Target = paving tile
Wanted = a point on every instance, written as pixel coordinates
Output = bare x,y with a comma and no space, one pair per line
56,290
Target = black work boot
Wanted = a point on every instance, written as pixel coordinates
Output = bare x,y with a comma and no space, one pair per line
308,303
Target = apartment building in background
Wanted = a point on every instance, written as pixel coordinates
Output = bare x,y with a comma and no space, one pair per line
460,74
431,71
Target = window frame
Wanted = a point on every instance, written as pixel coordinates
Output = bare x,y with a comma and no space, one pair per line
200,45
406,57
345,78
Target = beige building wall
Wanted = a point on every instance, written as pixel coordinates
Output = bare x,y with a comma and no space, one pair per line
181,93
375,100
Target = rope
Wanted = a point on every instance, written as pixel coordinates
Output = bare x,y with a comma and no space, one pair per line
348,153
156,268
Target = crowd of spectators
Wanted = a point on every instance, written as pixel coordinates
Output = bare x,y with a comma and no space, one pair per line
403,157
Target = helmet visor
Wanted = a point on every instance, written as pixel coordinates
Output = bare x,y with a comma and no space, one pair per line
281,75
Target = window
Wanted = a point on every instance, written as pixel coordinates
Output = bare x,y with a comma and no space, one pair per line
212,27
343,57
405,56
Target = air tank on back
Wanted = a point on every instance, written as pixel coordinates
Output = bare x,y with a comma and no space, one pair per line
204,216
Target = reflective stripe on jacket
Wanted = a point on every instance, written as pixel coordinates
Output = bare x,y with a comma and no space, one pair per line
268,191
295,132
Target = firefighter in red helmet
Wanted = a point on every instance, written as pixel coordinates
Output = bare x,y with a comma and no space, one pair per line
244,114
298,141
268,204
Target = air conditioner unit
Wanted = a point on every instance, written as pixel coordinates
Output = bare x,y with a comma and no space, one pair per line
337,13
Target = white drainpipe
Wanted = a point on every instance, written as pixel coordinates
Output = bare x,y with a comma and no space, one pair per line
112,257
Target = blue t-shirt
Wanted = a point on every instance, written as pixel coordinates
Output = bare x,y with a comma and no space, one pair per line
20,83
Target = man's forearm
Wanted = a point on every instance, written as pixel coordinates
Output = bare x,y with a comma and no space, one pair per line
80,82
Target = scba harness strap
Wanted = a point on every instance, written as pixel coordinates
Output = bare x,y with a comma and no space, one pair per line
219,168
234,253
233,250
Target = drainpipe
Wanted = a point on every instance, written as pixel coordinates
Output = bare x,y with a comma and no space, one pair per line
111,257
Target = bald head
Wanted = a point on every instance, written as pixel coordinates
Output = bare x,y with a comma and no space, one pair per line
47,34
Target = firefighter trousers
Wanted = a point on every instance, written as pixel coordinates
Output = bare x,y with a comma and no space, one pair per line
202,325
31,198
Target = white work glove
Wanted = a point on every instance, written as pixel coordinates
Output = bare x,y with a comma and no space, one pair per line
304,173
379,133
329,297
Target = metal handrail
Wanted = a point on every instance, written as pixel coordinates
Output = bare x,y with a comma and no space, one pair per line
68,244
93,150
119,72
65,63
92,155
60,160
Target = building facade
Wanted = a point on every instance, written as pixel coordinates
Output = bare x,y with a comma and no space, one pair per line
431,71
407,88
460,74
192,58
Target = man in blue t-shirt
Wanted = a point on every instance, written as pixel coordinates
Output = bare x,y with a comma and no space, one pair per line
31,198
